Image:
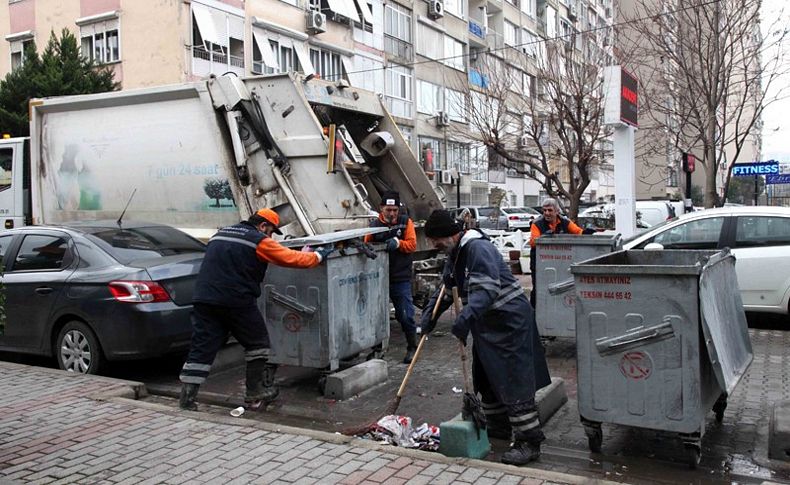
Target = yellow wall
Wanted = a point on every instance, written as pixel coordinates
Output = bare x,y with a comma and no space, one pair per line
154,35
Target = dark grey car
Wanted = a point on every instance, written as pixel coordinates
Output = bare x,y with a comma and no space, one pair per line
88,292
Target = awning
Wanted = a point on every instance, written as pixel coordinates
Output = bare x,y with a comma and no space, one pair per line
345,8
207,25
349,67
304,58
267,54
365,9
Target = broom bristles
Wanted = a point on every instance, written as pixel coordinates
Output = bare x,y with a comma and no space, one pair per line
392,408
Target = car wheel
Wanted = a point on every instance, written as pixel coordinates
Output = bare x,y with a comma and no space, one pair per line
77,349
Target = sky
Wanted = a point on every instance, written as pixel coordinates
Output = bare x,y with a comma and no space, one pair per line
776,122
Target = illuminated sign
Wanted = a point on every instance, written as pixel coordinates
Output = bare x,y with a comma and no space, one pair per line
628,99
689,162
757,168
778,178
621,98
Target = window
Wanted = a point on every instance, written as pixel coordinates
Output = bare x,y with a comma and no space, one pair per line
455,105
551,22
18,49
697,234
529,43
100,41
406,131
328,64
434,147
456,7
39,252
282,55
511,34
453,53
458,156
398,90
5,243
529,7
218,38
429,42
478,162
754,231
529,85
430,98
397,31
6,166
127,245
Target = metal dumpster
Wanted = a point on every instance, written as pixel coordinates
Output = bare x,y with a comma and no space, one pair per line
661,339
554,305
319,316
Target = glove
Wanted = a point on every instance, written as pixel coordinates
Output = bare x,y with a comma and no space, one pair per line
392,244
460,334
324,251
427,324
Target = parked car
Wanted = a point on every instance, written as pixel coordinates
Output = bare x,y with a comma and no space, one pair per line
89,292
498,218
759,237
649,212
520,217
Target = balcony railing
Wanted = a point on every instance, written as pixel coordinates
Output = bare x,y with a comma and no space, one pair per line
398,47
200,52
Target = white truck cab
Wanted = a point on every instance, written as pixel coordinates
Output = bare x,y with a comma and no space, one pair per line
14,182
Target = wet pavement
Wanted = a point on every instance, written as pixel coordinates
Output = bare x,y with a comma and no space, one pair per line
733,451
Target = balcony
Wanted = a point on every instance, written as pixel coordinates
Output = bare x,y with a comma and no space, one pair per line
398,48
205,62
477,33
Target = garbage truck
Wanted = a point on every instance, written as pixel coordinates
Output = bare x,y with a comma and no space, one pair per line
204,154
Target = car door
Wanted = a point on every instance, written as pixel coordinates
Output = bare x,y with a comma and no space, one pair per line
35,278
762,252
702,233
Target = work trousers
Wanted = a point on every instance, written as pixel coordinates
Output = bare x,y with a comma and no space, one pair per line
400,295
211,325
503,415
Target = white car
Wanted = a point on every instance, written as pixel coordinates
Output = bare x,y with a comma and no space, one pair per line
520,217
759,237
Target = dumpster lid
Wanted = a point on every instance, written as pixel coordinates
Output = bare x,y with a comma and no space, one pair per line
581,239
332,237
724,320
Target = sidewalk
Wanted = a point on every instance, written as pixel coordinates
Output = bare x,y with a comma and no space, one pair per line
63,428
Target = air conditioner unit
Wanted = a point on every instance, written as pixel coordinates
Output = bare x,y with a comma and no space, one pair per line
435,8
573,13
442,119
316,22
447,177
523,141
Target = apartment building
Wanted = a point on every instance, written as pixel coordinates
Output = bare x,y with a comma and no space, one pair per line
421,56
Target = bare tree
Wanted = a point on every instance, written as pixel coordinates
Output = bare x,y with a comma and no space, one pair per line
706,74
545,121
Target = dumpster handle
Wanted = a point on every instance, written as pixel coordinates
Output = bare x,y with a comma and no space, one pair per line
292,303
561,287
661,331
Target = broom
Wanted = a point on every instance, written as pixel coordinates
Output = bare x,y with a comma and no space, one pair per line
472,409
392,407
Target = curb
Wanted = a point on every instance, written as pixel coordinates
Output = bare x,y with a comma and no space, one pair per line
337,438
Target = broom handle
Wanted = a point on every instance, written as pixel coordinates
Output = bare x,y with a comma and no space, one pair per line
461,348
419,346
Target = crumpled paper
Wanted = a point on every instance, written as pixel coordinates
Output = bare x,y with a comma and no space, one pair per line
398,431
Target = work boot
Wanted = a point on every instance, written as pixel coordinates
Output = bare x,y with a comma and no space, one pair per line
261,389
411,347
188,399
521,453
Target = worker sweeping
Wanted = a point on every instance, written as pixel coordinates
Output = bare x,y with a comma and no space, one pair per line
225,301
508,364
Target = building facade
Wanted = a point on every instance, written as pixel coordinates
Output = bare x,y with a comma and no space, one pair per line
421,56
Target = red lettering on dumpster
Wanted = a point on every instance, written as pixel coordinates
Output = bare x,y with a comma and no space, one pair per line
292,322
636,365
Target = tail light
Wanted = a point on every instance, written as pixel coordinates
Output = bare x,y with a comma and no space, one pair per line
138,291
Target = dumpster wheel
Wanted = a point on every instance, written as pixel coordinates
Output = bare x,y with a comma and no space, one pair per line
720,407
594,435
693,455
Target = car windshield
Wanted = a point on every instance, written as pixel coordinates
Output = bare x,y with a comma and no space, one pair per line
127,245
486,211
652,229
519,210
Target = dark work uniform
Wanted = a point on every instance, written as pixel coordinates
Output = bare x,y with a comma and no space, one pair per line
509,364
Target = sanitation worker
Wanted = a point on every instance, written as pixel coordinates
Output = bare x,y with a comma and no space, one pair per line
508,363
401,242
551,222
224,302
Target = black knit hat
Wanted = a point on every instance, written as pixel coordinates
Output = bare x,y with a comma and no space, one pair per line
442,224
390,197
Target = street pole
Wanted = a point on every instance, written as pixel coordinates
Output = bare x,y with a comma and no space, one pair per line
756,186
688,204
458,190
625,181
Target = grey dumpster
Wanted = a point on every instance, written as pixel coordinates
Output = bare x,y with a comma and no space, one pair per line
661,339
554,305
319,316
